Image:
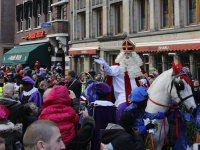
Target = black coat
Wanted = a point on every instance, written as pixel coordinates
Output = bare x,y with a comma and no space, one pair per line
121,140
75,87
83,136
17,114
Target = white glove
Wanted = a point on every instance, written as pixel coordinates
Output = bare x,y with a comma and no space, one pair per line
100,61
144,82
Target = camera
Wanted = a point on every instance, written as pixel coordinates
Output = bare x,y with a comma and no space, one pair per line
82,105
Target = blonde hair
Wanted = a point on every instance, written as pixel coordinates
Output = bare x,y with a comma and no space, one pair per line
42,84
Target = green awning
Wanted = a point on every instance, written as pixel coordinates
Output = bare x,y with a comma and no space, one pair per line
27,54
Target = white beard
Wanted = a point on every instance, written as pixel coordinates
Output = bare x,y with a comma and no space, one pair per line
131,65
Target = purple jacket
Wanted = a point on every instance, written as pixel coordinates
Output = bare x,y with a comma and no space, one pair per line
35,97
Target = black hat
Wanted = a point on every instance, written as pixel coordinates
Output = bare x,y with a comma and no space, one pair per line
126,120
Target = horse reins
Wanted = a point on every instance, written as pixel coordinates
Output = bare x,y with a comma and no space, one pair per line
174,107
178,90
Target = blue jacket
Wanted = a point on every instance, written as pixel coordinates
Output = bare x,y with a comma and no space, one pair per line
181,142
197,118
139,115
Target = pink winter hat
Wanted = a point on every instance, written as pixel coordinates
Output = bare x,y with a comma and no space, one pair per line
42,69
4,112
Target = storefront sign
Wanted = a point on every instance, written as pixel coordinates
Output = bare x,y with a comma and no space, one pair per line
35,35
163,48
83,52
15,57
111,45
193,46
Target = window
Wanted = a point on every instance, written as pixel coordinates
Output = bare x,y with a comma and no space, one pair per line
49,10
118,18
19,16
20,23
83,26
192,12
28,14
143,15
167,13
38,17
99,22
62,12
28,23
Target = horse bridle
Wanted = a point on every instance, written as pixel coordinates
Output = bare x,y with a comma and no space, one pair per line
179,86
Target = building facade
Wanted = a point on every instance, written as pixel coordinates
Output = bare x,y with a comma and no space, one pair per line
7,15
44,22
163,30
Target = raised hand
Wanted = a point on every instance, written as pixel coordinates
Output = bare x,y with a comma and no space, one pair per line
100,61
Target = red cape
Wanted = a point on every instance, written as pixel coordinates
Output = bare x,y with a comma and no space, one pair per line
111,96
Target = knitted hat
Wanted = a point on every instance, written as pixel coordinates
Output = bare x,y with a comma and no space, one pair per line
42,69
4,112
126,120
27,67
152,69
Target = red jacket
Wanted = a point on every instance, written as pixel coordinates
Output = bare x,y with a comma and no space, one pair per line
56,108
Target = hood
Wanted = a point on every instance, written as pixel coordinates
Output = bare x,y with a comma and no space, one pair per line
59,95
110,133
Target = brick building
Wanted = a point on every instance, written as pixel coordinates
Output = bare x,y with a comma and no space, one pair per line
164,31
6,26
42,28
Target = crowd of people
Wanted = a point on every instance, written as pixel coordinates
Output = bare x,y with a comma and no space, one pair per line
42,109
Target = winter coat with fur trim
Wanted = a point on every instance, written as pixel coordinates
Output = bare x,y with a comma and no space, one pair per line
56,108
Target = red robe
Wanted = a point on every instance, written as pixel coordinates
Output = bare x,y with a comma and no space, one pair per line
128,89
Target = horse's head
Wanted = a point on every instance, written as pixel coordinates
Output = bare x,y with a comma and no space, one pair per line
180,88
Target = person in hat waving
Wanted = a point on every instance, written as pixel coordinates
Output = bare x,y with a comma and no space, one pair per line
125,75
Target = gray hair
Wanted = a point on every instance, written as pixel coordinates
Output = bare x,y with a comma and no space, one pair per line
8,89
34,76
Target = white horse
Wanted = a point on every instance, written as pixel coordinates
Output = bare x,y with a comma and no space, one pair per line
162,91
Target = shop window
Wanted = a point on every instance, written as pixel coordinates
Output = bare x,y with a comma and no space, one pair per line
167,13
169,59
158,63
118,19
143,9
99,22
83,26
192,12
185,60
